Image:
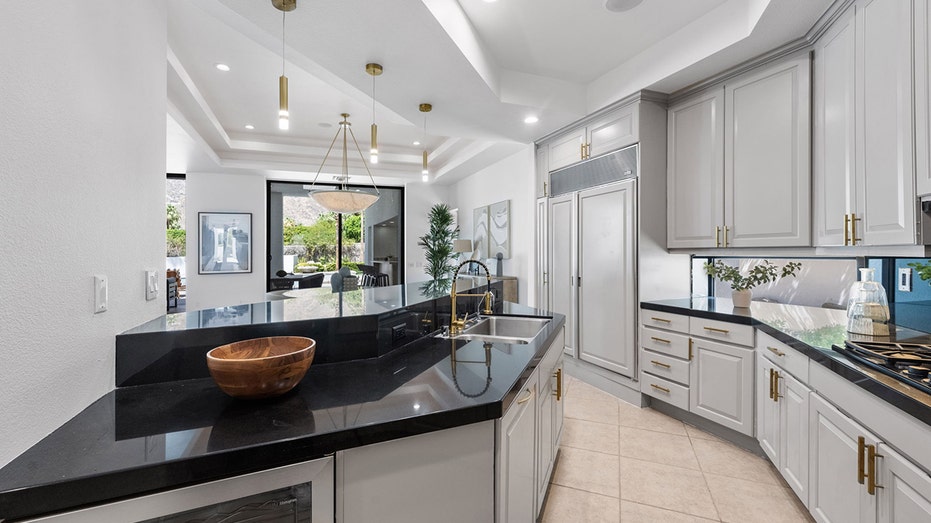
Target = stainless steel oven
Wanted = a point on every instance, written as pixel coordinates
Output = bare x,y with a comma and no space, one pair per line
302,492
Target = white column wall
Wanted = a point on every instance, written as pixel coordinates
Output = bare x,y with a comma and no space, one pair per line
82,161
418,199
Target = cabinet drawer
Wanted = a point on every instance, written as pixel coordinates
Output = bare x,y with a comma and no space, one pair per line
664,320
791,360
665,342
665,366
722,331
672,393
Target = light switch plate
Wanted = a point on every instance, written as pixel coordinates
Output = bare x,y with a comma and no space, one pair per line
101,297
151,285
905,279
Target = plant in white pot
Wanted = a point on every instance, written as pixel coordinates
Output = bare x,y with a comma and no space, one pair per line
742,286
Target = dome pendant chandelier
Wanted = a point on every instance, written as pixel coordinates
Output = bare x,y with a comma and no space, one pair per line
344,200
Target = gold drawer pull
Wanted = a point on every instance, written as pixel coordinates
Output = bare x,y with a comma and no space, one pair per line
528,398
558,376
715,329
871,456
657,387
661,364
861,448
664,320
776,394
770,383
776,351
660,340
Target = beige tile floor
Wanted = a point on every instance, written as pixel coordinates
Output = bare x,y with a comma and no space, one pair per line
618,462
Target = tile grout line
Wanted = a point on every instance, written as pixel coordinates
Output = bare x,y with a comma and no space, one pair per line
705,479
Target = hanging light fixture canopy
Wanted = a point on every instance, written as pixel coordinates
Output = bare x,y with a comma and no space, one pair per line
345,200
425,172
374,70
283,115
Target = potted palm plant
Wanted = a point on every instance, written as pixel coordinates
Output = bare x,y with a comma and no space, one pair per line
438,242
742,286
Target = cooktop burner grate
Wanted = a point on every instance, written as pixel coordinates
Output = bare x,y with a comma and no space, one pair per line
907,362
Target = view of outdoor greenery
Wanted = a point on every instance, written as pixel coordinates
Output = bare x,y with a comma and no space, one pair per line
315,245
175,235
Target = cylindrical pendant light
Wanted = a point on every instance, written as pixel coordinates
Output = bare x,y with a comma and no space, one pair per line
374,70
425,171
283,123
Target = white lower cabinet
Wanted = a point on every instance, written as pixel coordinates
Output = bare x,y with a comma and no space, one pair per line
782,404
906,490
516,461
721,384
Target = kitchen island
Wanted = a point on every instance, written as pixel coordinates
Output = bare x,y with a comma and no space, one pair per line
167,426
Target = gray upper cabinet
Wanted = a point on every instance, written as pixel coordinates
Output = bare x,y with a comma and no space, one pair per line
923,97
610,132
542,172
864,138
731,148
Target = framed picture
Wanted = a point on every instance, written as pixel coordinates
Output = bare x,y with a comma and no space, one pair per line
480,233
225,244
499,237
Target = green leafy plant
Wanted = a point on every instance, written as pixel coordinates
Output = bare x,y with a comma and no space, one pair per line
438,243
762,273
923,270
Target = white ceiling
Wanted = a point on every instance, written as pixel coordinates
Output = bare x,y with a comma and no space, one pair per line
484,66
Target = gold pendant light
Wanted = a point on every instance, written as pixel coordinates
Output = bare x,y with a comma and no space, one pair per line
374,70
284,6
425,171
345,200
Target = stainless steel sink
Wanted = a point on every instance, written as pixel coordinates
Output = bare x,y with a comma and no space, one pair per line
505,329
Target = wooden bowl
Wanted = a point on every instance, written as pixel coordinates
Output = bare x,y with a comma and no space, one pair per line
262,367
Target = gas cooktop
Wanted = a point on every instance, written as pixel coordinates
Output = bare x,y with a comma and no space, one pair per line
907,362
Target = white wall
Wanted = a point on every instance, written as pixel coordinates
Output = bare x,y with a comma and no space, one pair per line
212,192
418,199
83,91
509,179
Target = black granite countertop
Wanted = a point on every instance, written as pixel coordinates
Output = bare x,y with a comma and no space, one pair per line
156,436
813,331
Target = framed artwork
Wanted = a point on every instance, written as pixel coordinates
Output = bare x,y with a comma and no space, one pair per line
499,237
480,233
225,242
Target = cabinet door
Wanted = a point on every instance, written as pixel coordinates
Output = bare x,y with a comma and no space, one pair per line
834,126
885,162
767,157
542,172
566,149
562,272
695,171
542,289
767,411
517,488
606,286
906,493
923,96
721,384
617,129
793,431
836,496
544,436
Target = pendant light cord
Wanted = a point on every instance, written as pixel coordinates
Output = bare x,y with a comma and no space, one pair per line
282,42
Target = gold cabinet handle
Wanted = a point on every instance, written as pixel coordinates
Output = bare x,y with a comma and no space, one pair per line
657,387
871,456
853,229
776,351
544,188
770,383
659,340
725,236
861,448
846,229
715,329
717,236
664,320
526,399
776,394
690,349
661,364
558,376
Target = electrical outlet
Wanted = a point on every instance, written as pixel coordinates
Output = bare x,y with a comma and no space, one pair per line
101,297
151,285
905,279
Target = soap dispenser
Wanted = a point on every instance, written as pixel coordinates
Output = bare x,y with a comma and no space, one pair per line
868,308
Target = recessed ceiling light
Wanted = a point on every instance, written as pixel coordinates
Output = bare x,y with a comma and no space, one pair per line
222,67
416,142
490,1
250,126
618,6
531,119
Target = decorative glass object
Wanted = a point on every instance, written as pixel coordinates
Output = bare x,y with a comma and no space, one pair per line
868,308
